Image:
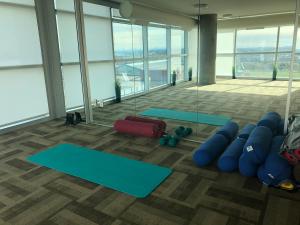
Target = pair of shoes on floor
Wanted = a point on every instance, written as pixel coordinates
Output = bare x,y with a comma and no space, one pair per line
73,119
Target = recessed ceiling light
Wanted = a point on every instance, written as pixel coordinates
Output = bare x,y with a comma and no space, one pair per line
201,5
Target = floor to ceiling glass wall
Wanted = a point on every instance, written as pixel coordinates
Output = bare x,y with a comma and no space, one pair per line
157,56
129,57
178,53
284,53
225,52
256,53
22,78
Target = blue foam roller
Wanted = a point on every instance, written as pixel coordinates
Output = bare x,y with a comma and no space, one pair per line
210,150
258,144
270,120
246,131
247,167
269,178
275,168
229,130
229,160
280,129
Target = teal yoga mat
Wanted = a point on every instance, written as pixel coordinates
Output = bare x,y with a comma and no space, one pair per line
217,120
129,176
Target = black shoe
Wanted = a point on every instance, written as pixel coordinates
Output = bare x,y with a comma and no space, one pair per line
70,119
78,118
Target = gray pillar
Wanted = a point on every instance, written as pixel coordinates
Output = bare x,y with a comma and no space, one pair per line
208,48
51,59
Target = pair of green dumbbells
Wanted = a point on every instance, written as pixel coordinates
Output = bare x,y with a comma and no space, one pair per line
171,140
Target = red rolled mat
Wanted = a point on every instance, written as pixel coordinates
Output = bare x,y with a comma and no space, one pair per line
161,124
136,128
297,153
290,158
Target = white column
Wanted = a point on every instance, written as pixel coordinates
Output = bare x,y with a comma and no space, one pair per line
288,101
46,18
83,61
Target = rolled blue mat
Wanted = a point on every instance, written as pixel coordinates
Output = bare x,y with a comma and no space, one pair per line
269,178
275,169
270,120
280,129
258,145
229,130
247,167
210,150
246,131
229,160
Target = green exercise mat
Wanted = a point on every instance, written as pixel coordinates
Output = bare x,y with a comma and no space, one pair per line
217,120
129,176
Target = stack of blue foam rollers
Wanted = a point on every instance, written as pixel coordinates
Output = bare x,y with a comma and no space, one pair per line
249,151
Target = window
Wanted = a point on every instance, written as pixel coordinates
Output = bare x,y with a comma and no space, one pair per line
225,52
131,76
225,42
258,40
177,65
177,42
128,41
158,73
23,94
98,35
254,65
285,53
255,52
128,46
224,65
69,55
157,42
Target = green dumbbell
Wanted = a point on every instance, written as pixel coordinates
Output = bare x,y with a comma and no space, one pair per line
179,131
164,140
173,141
187,132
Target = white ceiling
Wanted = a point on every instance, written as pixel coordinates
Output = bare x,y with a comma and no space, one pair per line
235,7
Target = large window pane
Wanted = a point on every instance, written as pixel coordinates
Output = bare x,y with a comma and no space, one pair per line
68,44
66,5
102,80
21,2
283,65
224,65
72,86
258,40
158,73
177,65
128,41
98,38
157,41
254,65
131,77
96,10
286,38
19,43
177,42
225,42
22,94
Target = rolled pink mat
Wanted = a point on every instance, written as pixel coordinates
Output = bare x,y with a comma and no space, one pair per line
290,158
136,128
297,153
161,124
